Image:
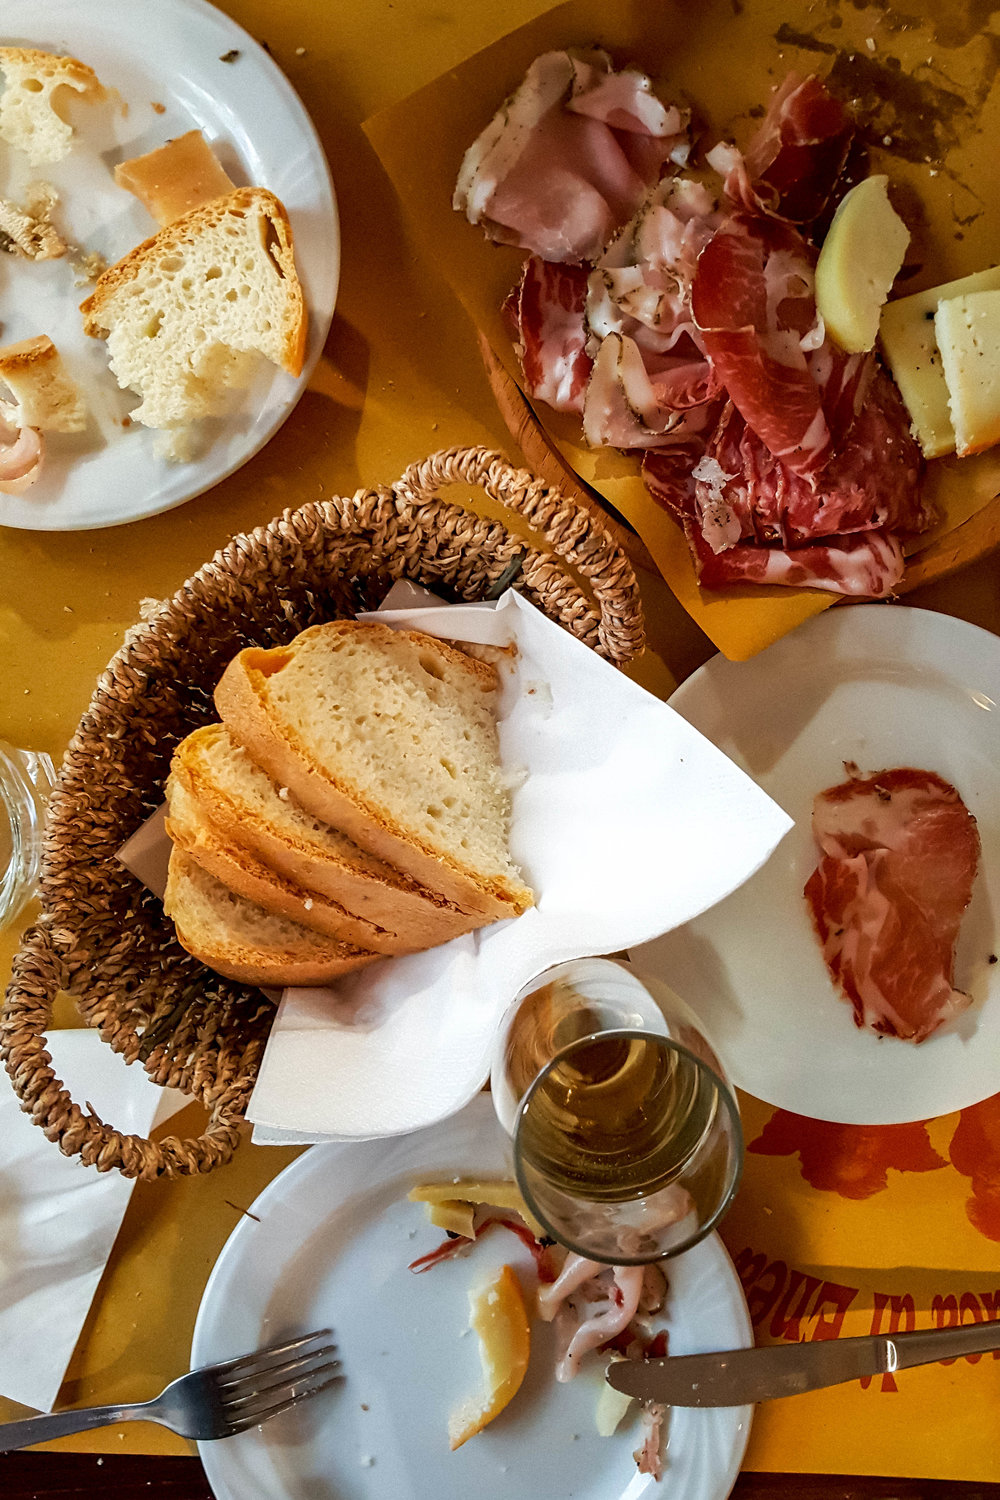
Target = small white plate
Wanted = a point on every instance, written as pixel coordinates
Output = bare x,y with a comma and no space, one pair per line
164,59
882,686
328,1245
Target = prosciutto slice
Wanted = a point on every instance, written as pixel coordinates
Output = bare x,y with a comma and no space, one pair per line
793,162
569,156
548,310
899,854
753,303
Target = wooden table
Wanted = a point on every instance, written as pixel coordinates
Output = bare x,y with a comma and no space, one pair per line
401,376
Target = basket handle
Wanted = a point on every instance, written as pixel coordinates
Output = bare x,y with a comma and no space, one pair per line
573,533
37,975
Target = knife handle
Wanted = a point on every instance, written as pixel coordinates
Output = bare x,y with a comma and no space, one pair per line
925,1345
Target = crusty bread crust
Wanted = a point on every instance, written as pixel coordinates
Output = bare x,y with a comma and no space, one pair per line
98,316
46,396
241,701
241,872
315,961
388,899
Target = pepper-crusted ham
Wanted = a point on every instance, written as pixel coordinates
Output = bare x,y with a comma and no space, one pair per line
568,157
899,857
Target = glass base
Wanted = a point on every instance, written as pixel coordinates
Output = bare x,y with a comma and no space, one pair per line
26,778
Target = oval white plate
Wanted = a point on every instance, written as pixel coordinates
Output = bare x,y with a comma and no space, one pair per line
162,53
882,686
329,1245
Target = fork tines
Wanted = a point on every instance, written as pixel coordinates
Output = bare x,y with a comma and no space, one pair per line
259,1386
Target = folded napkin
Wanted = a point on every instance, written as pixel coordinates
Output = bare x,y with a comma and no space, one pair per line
626,822
58,1218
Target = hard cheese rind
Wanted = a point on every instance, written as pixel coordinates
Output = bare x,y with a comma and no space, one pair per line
910,345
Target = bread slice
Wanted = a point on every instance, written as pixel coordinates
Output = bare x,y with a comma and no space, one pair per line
176,177
44,395
240,870
250,811
235,937
29,119
184,312
389,736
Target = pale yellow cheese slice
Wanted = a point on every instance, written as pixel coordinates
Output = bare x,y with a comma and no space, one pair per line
968,335
910,347
859,260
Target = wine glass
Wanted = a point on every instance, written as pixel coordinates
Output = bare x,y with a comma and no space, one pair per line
626,1134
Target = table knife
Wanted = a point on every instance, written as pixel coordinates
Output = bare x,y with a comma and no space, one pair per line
737,1377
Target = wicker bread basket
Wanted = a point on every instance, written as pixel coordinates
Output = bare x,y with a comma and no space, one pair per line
103,938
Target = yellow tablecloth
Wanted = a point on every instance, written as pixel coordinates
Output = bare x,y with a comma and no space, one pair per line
886,1219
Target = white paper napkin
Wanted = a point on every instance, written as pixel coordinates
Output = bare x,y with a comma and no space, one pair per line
58,1218
626,823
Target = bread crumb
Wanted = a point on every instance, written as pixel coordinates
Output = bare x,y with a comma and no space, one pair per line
300,52
161,109
231,55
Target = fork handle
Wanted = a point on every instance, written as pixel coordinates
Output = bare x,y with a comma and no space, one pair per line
58,1424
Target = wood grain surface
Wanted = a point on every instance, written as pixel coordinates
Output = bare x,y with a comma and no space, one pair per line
63,1476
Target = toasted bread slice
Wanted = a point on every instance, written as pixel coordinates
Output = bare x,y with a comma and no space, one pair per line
235,937
389,736
185,312
239,869
44,395
29,120
250,811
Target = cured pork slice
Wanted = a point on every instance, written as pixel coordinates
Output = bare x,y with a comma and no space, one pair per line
791,166
864,565
550,328
753,304
569,156
899,854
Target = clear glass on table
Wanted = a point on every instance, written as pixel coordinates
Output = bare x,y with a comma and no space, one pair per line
26,778
626,1134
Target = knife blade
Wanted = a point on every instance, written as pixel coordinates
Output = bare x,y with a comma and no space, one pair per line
737,1377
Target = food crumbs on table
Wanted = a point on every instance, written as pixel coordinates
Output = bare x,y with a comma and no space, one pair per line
300,52
992,958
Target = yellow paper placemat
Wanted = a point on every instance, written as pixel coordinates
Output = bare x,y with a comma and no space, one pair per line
841,1230
925,90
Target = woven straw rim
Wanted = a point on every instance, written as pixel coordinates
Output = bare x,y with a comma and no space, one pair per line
101,936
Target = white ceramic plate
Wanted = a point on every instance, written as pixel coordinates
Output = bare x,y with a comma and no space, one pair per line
163,57
883,686
329,1245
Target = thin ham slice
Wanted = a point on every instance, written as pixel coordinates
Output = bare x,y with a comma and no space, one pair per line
568,157
871,482
791,166
552,335
864,565
899,854
753,303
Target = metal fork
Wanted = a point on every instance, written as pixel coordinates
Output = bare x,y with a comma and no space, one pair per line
215,1401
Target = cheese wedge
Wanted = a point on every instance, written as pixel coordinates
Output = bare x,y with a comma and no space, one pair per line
968,335
910,347
859,260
